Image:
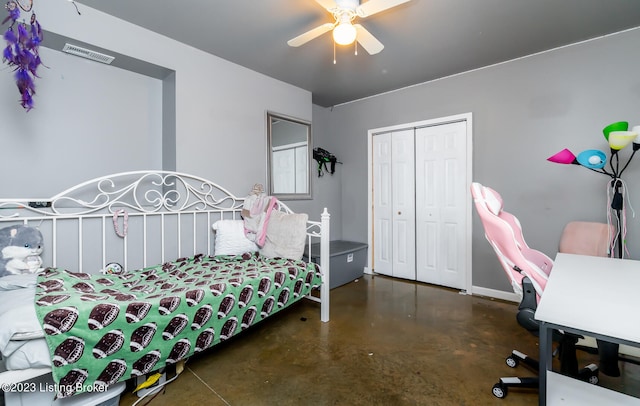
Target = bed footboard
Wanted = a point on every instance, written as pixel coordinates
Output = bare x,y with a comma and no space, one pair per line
321,230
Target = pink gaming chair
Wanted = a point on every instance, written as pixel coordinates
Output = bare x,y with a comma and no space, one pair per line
528,270
504,233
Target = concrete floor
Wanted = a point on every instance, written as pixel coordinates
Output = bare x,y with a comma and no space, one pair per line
389,342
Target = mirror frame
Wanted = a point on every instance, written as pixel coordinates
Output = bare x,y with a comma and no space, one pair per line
271,117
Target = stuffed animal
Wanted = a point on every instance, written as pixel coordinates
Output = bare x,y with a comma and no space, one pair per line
20,249
112,268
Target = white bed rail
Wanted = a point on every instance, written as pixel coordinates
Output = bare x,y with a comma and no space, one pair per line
167,215
321,230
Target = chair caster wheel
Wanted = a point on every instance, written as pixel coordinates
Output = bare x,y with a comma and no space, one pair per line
499,390
589,374
590,377
512,361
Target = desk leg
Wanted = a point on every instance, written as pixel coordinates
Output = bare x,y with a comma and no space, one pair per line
546,360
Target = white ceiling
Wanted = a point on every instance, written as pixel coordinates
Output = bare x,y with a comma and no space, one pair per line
424,39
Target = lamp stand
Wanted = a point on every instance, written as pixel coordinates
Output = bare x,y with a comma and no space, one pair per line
618,138
617,204
617,201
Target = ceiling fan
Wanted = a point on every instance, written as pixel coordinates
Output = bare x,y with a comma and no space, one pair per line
344,31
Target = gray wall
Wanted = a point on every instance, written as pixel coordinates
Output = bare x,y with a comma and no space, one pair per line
326,190
523,112
220,111
80,127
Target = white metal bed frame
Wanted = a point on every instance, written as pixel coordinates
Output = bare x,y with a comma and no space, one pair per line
78,232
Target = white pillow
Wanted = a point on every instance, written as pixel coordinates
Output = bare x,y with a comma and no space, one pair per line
286,235
18,281
27,354
18,315
230,238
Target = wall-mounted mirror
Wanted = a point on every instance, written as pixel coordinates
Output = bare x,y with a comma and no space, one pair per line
288,157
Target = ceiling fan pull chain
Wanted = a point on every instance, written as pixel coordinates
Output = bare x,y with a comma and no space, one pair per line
334,53
356,47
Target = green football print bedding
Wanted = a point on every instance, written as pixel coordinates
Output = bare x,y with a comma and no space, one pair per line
102,329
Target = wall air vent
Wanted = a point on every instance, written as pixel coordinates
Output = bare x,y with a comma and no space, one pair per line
87,53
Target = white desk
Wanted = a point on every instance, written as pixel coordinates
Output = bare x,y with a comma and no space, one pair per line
592,296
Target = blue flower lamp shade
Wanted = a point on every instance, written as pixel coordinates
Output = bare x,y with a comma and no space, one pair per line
592,159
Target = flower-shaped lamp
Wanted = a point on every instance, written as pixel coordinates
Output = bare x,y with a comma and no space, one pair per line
636,141
592,159
620,139
564,157
617,126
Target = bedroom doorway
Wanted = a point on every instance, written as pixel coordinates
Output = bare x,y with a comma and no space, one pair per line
420,204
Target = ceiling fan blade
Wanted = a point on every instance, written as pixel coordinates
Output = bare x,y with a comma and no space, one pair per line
367,40
327,4
309,35
372,7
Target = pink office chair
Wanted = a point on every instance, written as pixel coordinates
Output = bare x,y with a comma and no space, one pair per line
587,238
504,233
528,271
596,239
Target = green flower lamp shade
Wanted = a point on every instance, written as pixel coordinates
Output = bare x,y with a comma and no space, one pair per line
592,159
618,126
620,139
563,157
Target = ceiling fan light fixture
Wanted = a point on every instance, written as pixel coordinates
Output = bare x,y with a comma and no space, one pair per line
344,33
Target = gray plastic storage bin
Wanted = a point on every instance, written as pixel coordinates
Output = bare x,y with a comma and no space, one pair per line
347,260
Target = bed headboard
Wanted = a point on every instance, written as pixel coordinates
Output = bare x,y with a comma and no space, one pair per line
168,215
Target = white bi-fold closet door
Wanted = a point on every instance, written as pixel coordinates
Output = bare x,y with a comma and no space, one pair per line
420,209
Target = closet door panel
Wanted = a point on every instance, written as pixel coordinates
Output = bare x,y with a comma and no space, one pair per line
428,198
403,195
427,213
285,162
302,166
441,155
454,205
382,202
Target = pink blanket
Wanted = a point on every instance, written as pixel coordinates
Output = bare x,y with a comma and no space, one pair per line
256,212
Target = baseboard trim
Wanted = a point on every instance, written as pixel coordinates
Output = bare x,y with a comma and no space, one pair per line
496,294
477,290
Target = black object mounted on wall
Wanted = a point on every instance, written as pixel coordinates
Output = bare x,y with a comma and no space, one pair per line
324,157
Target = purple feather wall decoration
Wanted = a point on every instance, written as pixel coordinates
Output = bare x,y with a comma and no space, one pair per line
21,52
